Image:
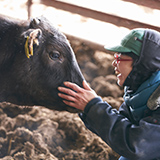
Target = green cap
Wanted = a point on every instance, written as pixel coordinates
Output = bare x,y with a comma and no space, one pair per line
132,42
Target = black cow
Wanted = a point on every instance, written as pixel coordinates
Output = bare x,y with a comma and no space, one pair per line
35,58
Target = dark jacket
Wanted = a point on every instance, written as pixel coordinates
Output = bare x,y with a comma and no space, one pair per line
129,137
134,130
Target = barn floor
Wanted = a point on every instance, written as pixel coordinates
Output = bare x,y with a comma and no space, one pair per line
28,133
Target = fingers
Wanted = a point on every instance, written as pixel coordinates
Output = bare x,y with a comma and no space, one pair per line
73,86
67,94
71,101
72,104
76,96
67,91
76,88
67,97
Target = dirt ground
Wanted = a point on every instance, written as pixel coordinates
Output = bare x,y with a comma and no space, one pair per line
37,133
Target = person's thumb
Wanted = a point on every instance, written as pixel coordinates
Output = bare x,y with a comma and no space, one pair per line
86,86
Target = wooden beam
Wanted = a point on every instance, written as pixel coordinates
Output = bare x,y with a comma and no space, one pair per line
109,18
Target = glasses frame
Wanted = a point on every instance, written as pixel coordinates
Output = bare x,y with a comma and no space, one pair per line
117,58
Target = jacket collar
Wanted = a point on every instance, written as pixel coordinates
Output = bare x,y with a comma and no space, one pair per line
137,101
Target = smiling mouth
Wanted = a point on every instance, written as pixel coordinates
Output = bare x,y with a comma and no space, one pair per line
117,72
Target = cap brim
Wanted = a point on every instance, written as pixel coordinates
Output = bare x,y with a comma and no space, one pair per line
117,49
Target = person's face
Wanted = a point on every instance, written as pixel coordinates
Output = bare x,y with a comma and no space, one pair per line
123,66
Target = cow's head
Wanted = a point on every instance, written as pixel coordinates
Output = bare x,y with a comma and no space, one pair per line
45,61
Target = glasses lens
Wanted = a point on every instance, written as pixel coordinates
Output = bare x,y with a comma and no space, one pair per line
118,58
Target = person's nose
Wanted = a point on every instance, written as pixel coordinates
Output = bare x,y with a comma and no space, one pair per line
114,63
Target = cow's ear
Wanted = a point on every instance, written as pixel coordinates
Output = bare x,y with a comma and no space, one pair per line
32,37
35,22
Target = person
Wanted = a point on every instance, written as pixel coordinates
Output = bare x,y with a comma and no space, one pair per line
133,131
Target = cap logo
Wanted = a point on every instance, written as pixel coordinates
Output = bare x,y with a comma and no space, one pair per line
136,38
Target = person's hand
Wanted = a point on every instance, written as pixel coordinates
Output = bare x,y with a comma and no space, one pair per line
76,96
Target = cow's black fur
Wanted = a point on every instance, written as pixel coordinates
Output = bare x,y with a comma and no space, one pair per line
34,80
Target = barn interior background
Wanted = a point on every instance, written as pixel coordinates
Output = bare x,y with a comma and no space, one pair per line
38,133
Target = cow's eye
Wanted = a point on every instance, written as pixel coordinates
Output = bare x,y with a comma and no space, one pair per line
54,55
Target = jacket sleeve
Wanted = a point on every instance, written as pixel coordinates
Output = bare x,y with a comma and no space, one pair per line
135,142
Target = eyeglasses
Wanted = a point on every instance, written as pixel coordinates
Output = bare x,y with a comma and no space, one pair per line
118,58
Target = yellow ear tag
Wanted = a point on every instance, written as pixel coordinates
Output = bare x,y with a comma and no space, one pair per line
31,54
26,48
